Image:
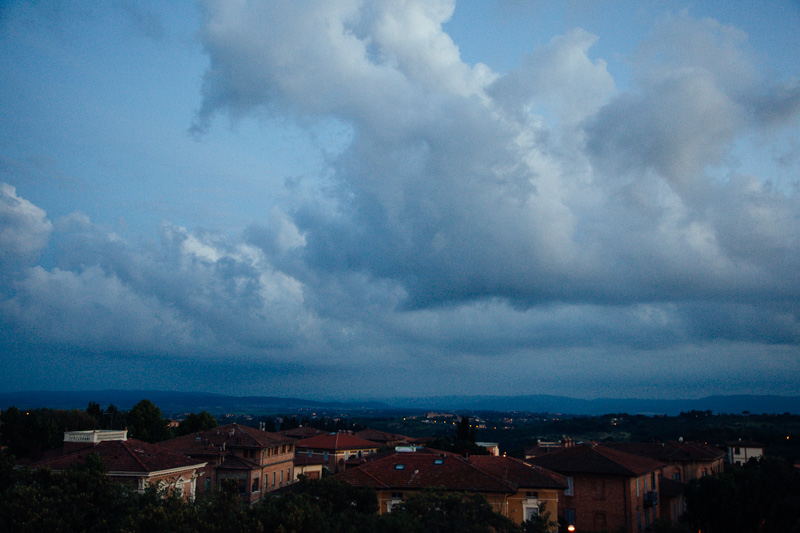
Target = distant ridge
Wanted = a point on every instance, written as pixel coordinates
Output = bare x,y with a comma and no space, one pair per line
179,402
543,403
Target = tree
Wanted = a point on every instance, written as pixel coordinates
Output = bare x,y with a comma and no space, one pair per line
434,510
145,423
194,423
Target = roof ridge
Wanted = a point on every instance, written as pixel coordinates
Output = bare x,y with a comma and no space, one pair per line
133,454
506,481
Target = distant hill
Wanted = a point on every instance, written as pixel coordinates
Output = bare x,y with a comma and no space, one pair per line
565,405
184,402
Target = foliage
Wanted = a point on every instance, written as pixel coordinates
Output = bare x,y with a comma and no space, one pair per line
109,418
83,498
29,433
146,423
194,423
759,496
433,510
539,524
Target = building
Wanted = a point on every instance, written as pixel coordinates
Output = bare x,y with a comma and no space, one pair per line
135,463
607,489
384,439
740,451
258,461
336,449
543,447
513,488
683,462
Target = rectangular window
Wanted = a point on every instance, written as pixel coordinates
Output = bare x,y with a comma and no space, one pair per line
569,516
288,474
598,489
570,488
310,453
637,487
274,474
255,485
281,476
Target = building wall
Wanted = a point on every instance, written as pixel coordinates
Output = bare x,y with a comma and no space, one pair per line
609,502
545,499
741,454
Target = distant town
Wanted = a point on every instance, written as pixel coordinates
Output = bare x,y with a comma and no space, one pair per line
529,471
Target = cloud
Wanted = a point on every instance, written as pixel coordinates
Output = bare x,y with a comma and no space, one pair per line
24,228
457,188
468,223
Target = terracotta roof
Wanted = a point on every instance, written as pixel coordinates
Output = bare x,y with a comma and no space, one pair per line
744,444
583,458
130,455
422,469
669,451
302,432
519,473
336,441
382,437
210,442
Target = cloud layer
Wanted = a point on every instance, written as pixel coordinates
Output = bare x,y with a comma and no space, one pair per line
473,220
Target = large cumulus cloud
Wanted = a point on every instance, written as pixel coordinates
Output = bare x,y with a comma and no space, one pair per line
471,222
546,184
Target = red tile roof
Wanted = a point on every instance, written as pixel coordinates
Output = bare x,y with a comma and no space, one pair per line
336,442
382,437
519,473
422,469
669,451
210,442
587,459
302,432
129,456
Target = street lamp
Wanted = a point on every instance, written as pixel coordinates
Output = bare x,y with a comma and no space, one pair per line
570,528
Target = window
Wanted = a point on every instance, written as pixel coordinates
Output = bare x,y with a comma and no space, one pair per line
310,453
397,495
637,487
570,487
208,483
254,488
569,516
439,461
288,474
274,475
399,467
676,475
598,489
281,476
531,511
325,455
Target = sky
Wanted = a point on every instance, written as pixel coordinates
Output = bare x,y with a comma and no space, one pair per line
345,199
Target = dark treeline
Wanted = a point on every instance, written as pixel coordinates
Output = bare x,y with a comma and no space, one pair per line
30,432
85,499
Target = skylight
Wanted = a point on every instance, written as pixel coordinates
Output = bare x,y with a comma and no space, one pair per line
399,467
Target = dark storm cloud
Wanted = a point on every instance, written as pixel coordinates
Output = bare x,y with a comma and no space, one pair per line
472,223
